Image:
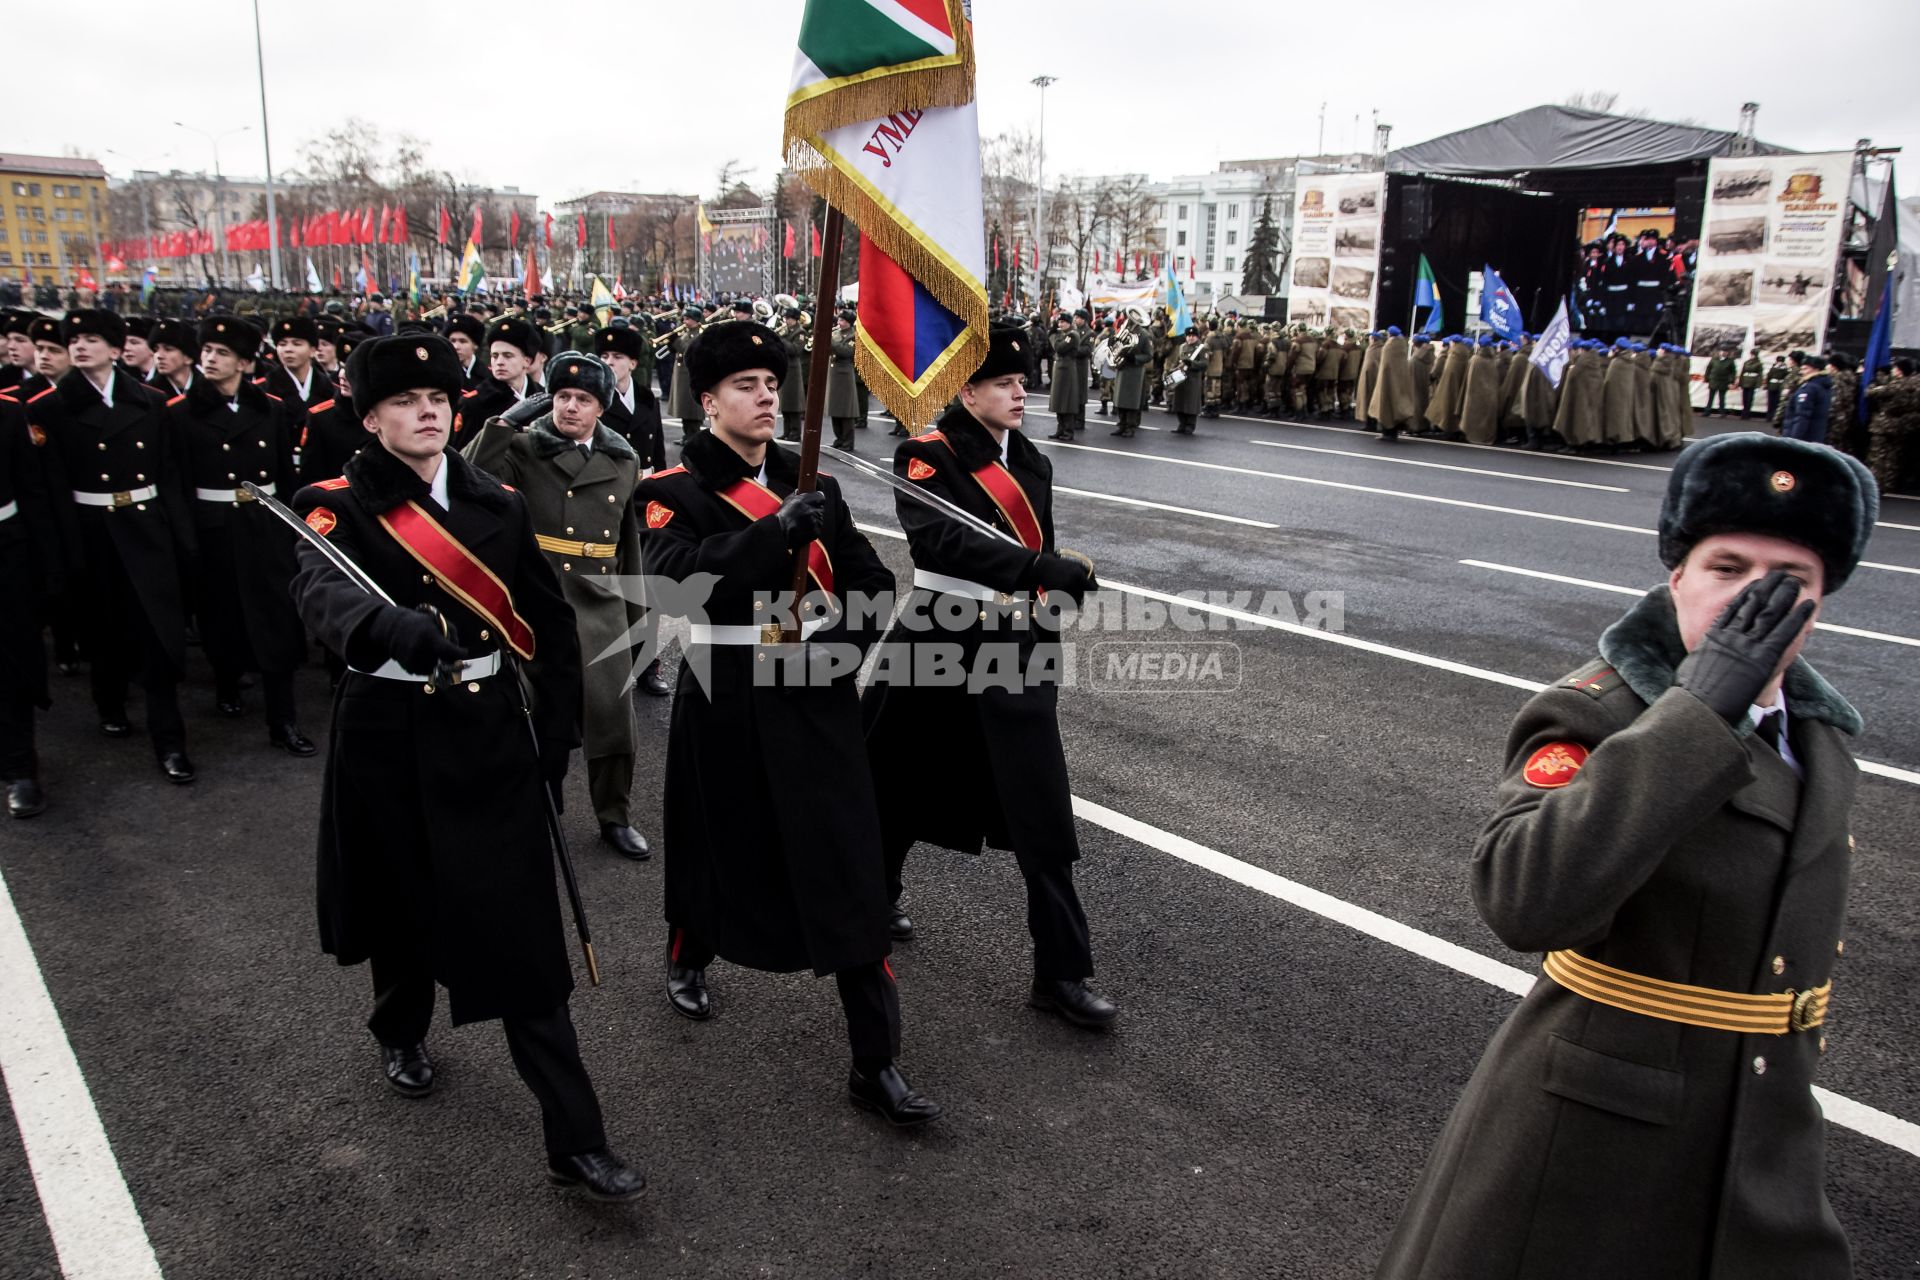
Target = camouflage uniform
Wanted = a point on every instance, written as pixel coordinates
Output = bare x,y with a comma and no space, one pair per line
1892,431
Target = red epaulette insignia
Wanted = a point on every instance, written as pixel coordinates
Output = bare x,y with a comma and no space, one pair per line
268,394
322,407
509,488
1554,764
36,434
658,514
338,482
934,436
321,521
670,471
40,395
469,393
260,382
176,400
918,470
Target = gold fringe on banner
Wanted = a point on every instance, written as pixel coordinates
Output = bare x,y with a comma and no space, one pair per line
942,81
917,407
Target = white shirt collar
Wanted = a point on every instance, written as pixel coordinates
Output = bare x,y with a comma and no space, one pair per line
1757,713
626,397
761,479
1006,439
304,385
439,486
106,392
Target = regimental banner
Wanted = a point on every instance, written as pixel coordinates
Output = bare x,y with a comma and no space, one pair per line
1334,275
1769,246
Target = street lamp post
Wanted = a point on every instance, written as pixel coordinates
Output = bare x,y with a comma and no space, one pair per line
219,189
266,145
1040,189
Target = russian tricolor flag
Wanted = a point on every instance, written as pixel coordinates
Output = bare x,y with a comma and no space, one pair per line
902,323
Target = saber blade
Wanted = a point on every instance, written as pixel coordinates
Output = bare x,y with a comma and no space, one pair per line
922,496
335,556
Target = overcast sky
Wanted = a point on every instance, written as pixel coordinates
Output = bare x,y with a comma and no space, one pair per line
653,95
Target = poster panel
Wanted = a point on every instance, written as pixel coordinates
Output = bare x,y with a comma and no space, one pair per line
1334,272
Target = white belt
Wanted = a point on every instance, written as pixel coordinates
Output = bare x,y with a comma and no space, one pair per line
9,510
235,496
471,669
744,633
961,587
126,499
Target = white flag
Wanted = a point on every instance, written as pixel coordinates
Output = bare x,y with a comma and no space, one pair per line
1550,350
257,279
313,277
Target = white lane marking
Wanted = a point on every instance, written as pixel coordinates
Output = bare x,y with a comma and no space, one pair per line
1892,773
1888,524
96,1230
1451,444
1903,1135
1162,506
1353,488
1834,627
1441,466
1890,568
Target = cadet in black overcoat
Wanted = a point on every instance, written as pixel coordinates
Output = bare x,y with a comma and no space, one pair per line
633,412
121,497
772,841
230,430
434,861
1003,770
29,571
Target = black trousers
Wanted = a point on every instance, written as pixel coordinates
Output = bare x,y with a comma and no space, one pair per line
120,641
1062,946
1746,401
544,1049
1716,395
17,759
868,997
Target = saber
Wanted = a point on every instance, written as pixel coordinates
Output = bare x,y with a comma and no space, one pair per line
445,676
923,496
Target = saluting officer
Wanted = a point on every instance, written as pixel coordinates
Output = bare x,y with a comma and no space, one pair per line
773,843
1672,833
434,862
229,430
121,493
1003,772
577,478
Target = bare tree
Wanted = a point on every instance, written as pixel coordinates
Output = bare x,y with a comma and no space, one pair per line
1592,100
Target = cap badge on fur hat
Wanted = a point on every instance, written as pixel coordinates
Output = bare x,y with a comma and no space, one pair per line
1782,481
420,352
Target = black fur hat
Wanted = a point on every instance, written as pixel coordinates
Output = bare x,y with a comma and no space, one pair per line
582,372
1008,351
1747,482
46,329
391,366
515,331
301,327
723,350
177,334
471,325
622,339
242,337
101,324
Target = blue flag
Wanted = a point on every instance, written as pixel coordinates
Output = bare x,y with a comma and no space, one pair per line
1499,309
1426,293
1879,346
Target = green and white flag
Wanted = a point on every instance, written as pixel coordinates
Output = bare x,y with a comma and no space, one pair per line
473,272
866,59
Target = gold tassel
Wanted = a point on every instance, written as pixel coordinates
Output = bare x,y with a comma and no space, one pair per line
916,412
911,87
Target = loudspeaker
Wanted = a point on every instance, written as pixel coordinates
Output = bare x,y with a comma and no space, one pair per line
1416,212
1689,206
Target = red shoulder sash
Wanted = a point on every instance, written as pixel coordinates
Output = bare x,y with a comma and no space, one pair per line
460,572
756,502
1008,496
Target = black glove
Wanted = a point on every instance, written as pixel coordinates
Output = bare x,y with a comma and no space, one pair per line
802,516
527,410
1735,660
1059,573
412,639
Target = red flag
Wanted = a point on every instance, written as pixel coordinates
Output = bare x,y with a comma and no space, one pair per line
1156,264
475,237
386,216
1018,257
336,277
786,246
446,226
401,231
1189,268
549,218
816,241
1036,255
580,231
513,227
612,246
366,269
367,230
1119,262
996,253
533,276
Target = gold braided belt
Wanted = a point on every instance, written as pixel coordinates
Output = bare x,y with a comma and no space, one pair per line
568,547
1696,1006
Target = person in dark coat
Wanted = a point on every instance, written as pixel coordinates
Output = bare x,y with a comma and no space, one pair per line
633,413
1187,397
229,430
296,378
681,401
1002,769
29,572
796,337
843,391
1072,349
123,501
466,332
511,345
1672,831
773,856
434,861
1809,405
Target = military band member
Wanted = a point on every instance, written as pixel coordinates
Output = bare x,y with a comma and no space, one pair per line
1188,396
683,403
577,478
1001,769
773,854
843,393
296,378
1672,833
122,497
793,390
29,571
465,332
228,430
1132,348
1072,344
512,346
434,859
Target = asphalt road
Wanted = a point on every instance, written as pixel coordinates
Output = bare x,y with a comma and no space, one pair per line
1277,1078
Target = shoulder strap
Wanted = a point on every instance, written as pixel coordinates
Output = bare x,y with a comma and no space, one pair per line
461,572
756,502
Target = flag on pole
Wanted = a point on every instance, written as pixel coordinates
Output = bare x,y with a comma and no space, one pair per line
360,282
256,280
313,278
150,280
602,300
534,288
786,244
1174,299
579,230
473,272
613,245
413,278
1550,353
513,226
549,218
814,230
1879,346
446,228
370,280
518,271
619,292
1426,293
1499,309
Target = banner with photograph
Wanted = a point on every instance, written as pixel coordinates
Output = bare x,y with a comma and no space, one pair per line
1334,276
1769,245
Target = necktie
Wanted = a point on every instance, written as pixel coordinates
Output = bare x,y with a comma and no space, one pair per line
1768,731
586,450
